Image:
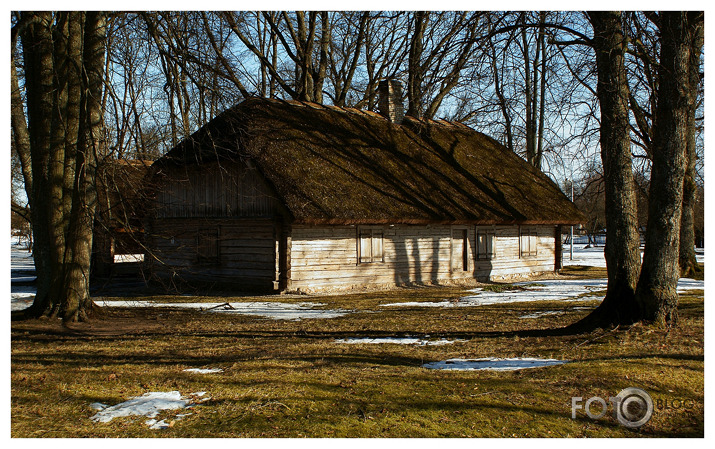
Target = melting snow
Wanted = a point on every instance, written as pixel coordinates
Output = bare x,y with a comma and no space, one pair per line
274,310
157,425
203,370
397,340
540,314
149,405
492,364
593,256
541,290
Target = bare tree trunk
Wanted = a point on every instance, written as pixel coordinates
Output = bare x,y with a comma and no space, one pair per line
503,107
77,304
529,120
38,54
688,263
64,62
415,69
622,241
687,260
657,293
542,93
319,77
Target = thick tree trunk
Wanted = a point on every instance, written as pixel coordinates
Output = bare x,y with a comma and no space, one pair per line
77,304
38,54
622,249
64,62
687,260
688,263
657,293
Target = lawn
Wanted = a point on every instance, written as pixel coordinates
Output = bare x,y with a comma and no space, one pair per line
284,378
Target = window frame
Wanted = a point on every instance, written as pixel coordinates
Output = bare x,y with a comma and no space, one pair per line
372,234
532,239
489,252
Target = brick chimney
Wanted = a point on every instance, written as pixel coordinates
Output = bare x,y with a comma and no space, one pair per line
390,100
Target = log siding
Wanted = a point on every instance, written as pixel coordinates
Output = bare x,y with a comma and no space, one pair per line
242,253
328,257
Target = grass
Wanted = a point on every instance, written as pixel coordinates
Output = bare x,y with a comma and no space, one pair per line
289,378
501,288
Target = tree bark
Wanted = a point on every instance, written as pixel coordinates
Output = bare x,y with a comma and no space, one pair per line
37,53
415,70
64,67
77,304
622,251
688,263
657,293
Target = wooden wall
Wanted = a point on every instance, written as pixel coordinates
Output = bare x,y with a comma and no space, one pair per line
231,252
508,261
326,257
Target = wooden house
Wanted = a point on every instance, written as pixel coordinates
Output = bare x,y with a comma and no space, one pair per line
294,196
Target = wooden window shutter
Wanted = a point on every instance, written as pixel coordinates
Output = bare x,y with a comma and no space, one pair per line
485,244
371,245
377,246
365,246
528,243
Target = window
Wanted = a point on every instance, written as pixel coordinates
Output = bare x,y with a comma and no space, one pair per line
207,246
485,243
527,242
370,245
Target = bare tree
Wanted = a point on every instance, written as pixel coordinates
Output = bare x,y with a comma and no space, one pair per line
657,285
63,60
622,250
645,47
439,49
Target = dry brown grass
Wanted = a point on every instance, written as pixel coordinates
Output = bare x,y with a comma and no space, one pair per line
290,379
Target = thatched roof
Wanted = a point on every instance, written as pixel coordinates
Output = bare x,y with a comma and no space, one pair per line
341,165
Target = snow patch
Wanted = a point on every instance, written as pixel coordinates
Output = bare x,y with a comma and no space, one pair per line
685,284
157,425
203,370
22,272
540,314
21,298
588,257
397,340
541,290
492,364
148,404
273,310
128,258
593,256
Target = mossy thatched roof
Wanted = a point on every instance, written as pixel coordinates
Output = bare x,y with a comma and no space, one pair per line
341,165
